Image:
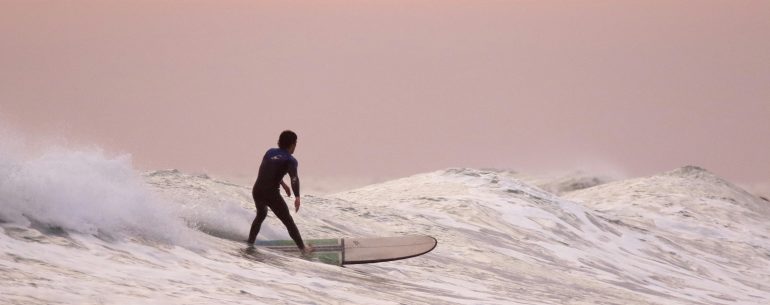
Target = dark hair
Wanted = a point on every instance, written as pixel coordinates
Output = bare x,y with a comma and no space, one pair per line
287,139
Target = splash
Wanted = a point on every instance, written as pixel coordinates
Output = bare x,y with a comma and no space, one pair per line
83,191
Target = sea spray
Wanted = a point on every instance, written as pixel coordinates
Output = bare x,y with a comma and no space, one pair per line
84,191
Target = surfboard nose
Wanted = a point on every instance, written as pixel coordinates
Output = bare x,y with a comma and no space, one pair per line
383,249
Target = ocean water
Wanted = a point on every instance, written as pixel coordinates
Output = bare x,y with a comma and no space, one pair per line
83,227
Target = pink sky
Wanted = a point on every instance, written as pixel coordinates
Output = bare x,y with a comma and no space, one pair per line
384,89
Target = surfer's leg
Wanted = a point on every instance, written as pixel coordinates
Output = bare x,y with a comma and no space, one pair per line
257,223
280,209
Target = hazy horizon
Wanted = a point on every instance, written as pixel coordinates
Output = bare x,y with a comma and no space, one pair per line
385,89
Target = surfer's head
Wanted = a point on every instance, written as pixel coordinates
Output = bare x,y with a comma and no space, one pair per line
288,141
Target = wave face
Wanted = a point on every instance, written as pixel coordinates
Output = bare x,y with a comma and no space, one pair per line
79,227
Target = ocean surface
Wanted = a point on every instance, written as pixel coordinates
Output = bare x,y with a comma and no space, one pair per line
80,227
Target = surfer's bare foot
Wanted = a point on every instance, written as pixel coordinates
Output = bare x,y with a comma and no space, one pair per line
309,249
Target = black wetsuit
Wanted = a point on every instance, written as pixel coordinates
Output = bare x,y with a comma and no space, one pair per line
275,164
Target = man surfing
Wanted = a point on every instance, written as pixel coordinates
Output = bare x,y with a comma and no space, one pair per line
276,163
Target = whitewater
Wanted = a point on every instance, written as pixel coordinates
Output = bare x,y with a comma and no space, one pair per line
84,227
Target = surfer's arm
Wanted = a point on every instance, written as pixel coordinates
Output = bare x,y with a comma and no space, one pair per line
286,188
294,177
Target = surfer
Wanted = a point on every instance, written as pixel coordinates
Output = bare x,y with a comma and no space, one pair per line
276,163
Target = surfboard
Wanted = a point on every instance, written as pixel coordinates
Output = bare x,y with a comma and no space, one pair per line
364,250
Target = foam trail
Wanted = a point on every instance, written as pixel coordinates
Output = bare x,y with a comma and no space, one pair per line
226,213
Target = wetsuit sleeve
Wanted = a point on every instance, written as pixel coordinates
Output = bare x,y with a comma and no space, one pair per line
294,177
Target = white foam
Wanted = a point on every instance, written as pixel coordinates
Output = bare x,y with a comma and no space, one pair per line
86,192
500,240
213,206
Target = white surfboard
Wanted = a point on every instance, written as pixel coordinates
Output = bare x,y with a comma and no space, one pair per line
383,249
364,250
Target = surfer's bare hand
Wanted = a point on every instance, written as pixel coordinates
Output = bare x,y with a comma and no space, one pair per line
296,204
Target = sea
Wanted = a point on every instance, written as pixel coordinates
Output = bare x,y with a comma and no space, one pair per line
80,226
